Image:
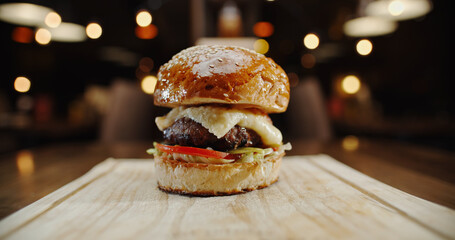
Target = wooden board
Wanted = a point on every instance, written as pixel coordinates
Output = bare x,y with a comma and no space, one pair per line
316,197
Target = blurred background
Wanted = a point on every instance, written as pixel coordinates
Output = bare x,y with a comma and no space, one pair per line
79,70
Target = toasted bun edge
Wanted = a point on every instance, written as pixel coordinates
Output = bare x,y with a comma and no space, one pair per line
201,179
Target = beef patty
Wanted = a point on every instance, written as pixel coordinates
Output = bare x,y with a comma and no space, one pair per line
186,132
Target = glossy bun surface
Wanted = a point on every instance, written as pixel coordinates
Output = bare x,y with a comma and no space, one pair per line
223,75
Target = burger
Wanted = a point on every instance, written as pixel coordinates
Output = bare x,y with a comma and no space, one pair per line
218,138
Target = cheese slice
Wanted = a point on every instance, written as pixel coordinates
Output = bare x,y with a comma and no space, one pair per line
219,121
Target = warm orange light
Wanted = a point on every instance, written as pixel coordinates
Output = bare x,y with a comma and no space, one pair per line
22,34
149,32
263,29
22,84
24,162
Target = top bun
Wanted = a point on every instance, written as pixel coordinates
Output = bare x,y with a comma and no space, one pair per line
222,75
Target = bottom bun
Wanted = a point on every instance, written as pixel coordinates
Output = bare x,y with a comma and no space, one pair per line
204,179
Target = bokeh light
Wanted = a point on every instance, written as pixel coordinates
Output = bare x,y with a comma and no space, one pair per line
22,35
350,143
395,8
263,29
52,20
43,36
148,84
23,14
398,10
94,30
350,84
261,46
68,32
143,18
24,162
364,47
369,26
311,41
22,84
149,32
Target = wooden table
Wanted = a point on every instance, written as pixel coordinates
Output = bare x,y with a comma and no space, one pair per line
28,175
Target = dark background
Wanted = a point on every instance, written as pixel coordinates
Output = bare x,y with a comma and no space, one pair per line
409,72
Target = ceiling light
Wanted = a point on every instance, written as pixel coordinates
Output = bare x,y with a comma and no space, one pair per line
395,8
143,18
94,30
311,41
364,47
43,36
369,27
53,20
68,32
22,84
398,9
350,84
24,13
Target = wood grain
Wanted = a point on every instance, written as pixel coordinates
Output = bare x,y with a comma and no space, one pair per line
316,197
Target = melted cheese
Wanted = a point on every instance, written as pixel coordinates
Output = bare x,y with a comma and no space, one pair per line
220,120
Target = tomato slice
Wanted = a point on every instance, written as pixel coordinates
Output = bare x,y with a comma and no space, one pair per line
201,152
